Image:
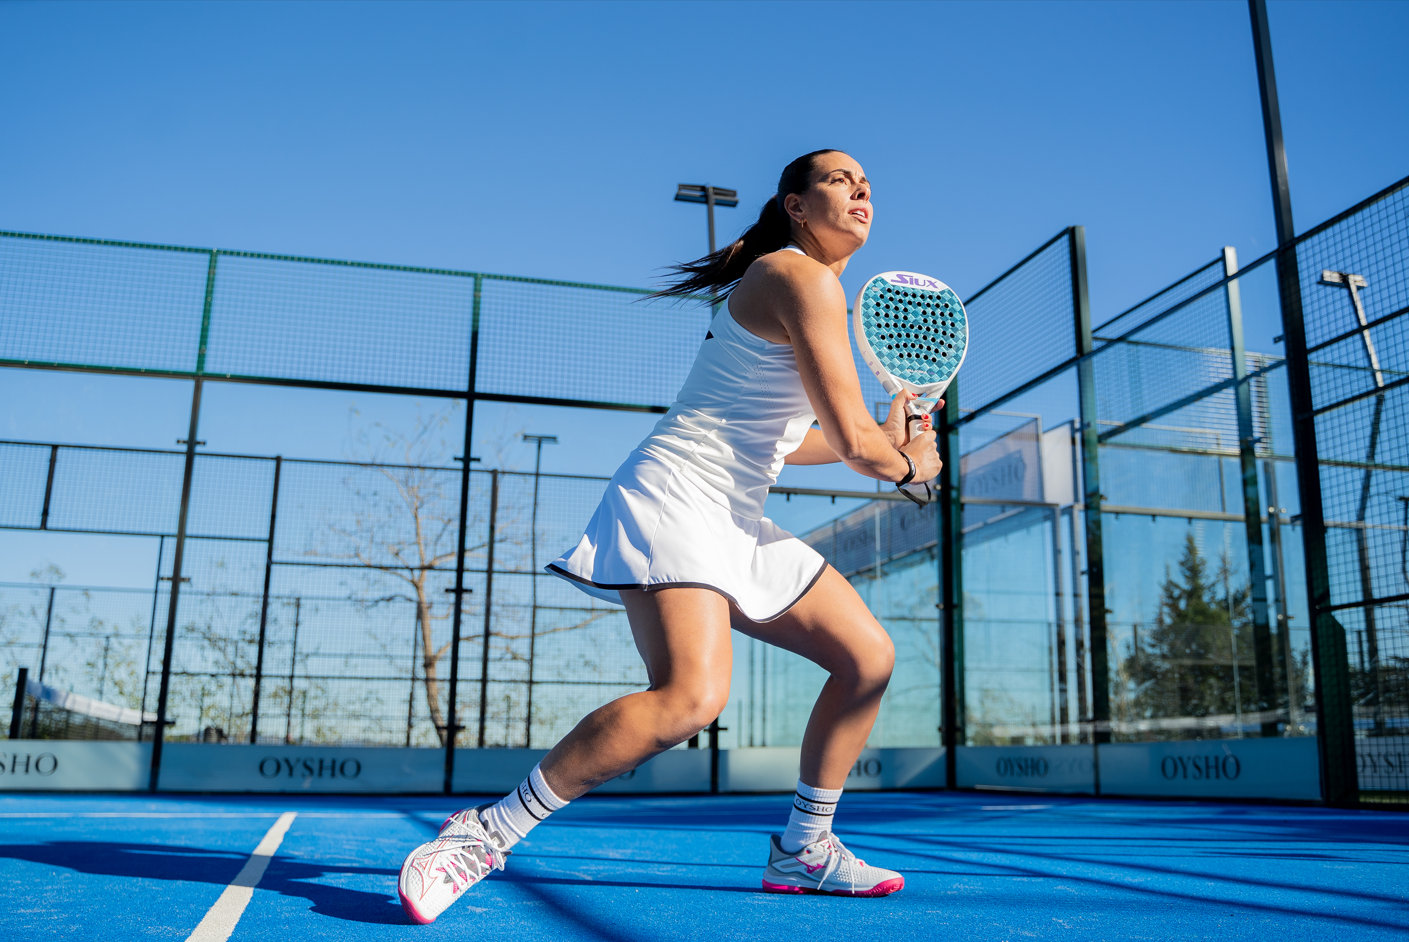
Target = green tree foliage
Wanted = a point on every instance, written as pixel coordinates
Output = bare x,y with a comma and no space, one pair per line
1184,664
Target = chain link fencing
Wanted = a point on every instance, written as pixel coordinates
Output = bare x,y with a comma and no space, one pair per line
1131,545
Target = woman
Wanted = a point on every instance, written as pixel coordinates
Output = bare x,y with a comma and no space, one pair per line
681,541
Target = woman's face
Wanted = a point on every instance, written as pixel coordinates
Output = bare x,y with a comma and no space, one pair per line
836,207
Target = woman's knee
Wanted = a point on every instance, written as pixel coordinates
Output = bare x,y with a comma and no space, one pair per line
867,667
689,707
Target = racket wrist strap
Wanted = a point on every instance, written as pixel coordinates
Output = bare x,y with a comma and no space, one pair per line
909,475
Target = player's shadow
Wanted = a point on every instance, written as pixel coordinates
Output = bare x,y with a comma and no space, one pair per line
286,876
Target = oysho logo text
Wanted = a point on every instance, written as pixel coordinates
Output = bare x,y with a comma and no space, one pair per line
275,767
866,768
1023,767
1382,763
26,763
1196,768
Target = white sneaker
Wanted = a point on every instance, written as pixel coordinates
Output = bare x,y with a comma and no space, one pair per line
825,866
435,873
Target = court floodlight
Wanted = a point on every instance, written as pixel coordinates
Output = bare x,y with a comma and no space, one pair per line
711,196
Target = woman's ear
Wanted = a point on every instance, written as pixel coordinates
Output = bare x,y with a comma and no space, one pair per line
792,205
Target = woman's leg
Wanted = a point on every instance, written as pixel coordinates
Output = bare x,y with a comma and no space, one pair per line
832,627
683,636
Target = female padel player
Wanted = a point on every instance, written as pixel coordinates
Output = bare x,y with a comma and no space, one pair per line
681,541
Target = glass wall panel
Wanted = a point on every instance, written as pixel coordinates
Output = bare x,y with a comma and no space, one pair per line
1026,673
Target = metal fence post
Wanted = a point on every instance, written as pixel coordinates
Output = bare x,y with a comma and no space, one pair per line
1091,481
152,629
17,712
264,603
178,554
43,658
49,487
1263,659
457,617
1335,729
488,603
951,587
293,668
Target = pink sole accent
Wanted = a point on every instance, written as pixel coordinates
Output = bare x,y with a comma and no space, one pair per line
781,888
884,888
411,911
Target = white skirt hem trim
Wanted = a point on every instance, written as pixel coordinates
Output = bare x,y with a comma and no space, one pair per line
609,593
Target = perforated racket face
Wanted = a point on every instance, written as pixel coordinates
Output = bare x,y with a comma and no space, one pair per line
914,325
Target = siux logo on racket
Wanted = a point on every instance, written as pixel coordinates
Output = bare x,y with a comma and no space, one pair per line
919,281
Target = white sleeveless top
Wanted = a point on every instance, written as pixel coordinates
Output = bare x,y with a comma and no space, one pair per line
686,507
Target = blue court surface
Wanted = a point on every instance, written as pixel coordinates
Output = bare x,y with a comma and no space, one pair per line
977,867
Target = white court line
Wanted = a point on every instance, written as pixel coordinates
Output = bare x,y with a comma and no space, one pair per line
1015,807
220,921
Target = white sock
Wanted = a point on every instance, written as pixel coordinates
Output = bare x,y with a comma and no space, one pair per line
811,817
521,810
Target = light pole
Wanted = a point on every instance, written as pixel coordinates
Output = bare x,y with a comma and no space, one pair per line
1354,283
711,196
540,441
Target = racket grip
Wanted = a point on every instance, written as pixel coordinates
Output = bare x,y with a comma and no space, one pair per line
914,413
920,492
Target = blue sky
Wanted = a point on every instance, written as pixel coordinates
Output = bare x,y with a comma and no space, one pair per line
547,140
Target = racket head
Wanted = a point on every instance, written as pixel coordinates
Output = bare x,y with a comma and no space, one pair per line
912,332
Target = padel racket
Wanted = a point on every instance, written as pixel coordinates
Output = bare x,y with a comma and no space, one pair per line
913,334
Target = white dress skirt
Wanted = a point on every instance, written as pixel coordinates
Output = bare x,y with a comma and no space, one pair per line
686,508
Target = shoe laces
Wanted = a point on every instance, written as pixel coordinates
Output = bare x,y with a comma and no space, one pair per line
459,851
837,855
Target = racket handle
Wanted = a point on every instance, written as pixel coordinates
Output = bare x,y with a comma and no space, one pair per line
920,492
915,412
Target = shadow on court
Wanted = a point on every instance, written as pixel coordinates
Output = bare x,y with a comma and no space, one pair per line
619,868
201,865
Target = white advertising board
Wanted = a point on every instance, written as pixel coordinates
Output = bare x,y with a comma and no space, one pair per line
774,769
58,765
676,770
1070,769
276,768
493,771
1218,768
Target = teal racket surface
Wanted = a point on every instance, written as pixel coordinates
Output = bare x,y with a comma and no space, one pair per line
911,328
913,334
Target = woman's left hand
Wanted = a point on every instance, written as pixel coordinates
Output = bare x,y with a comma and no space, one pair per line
895,426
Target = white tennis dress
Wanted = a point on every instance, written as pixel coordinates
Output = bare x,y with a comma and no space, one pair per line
686,508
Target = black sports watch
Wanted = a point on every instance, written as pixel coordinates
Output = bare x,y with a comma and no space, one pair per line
910,475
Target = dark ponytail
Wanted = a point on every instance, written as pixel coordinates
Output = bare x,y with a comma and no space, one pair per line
717,274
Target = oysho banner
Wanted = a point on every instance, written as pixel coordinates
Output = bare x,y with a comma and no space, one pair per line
1217,768
63,766
277,768
775,768
1070,769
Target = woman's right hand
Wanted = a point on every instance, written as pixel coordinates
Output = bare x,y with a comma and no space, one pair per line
923,452
921,447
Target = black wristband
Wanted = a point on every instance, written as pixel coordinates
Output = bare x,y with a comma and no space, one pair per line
910,475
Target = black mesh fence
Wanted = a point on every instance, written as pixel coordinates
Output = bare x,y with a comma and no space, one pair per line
1354,279
1121,463
130,307
1031,308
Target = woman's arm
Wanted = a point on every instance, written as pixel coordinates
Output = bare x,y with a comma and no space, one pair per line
813,450
810,307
